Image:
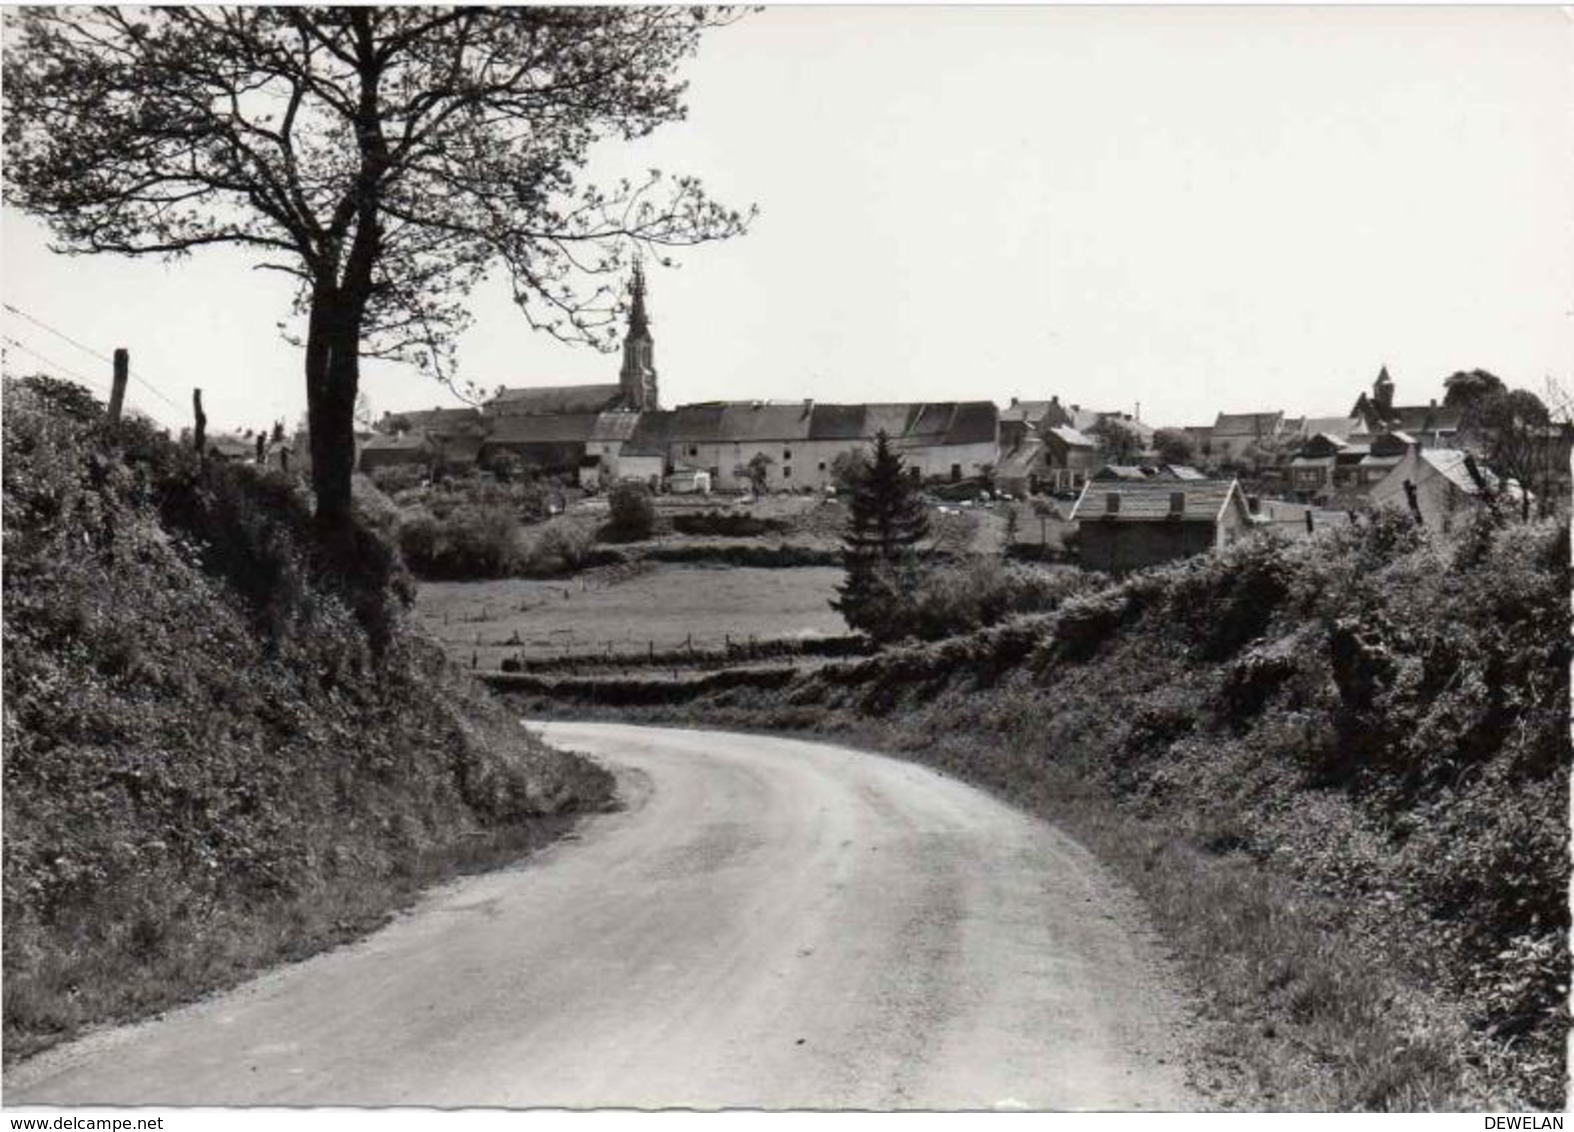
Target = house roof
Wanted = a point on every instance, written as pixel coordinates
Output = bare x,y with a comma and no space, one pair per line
436,420
231,446
544,400
1151,500
973,422
652,433
1019,462
1028,412
1070,437
1450,464
614,426
1423,418
837,422
391,442
567,428
1184,472
1111,472
1339,428
760,422
1252,425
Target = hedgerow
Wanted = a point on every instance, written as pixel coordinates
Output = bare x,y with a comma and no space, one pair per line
214,729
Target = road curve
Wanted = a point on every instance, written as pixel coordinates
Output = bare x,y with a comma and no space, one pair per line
768,924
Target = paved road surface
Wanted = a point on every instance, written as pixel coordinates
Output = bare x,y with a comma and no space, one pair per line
769,923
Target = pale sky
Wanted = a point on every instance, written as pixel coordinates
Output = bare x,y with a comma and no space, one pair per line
1197,210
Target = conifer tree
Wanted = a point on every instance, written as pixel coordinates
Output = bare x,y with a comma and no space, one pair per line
888,522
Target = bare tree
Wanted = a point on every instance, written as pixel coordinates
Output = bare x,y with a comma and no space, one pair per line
385,158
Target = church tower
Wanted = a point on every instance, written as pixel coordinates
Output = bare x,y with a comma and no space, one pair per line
638,376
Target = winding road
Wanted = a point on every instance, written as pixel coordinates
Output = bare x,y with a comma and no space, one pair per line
767,924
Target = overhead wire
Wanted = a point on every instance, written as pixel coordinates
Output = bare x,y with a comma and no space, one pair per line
97,383
90,350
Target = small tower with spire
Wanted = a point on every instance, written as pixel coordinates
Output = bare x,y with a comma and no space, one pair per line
638,375
1383,393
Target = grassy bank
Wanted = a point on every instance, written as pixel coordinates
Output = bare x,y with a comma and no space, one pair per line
1336,771
223,746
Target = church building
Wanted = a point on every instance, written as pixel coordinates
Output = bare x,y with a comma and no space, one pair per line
634,392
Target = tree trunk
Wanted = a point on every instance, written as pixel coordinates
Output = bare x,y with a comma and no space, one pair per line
332,379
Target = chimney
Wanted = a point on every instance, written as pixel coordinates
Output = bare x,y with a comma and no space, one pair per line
1112,503
1177,503
1013,402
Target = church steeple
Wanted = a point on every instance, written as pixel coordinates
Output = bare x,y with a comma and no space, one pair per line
638,376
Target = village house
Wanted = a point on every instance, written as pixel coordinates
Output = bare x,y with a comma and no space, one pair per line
1235,435
1445,490
798,442
1127,524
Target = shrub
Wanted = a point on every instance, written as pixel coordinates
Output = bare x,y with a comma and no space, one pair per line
395,478
632,513
471,542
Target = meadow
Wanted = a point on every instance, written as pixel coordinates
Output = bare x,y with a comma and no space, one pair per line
628,611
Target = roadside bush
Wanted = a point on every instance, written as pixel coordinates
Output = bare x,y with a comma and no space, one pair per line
395,478
632,513
726,524
471,542
559,547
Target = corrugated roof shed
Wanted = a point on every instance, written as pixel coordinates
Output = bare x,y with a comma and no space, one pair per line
1152,500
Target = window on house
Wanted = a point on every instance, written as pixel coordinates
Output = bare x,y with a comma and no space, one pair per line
786,473
786,453
694,450
822,465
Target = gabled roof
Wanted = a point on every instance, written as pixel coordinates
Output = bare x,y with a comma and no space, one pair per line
1150,500
436,420
1070,437
1339,427
973,422
1450,464
543,400
652,433
392,442
837,422
1252,425
570,428
233,447
1028,412
1424,418
1019,462
758,422
892,419
1112,472
614,426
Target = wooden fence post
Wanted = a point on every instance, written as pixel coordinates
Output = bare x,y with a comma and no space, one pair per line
199,436
117,391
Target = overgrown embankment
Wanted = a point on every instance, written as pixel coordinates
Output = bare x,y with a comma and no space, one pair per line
1336,770
222,748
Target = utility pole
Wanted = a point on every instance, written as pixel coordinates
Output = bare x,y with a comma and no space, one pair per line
117,391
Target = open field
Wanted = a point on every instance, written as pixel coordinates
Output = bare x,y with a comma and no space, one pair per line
666,606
